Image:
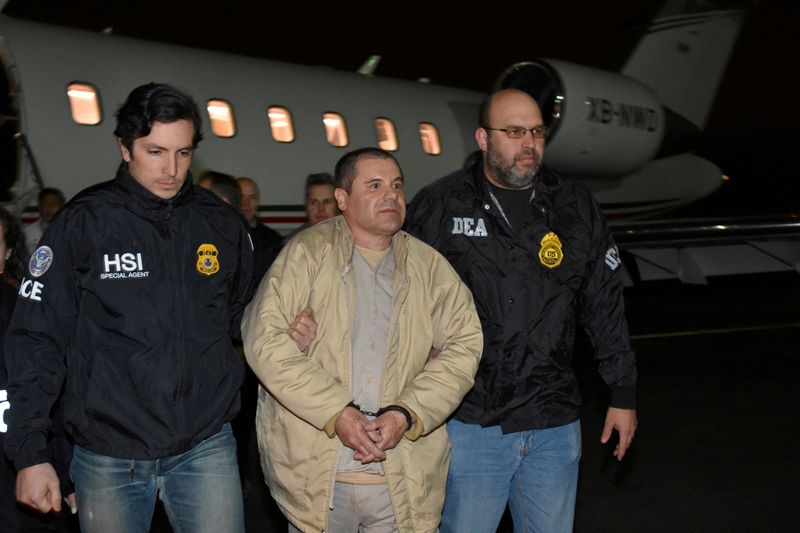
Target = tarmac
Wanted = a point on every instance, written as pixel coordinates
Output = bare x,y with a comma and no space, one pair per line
719,413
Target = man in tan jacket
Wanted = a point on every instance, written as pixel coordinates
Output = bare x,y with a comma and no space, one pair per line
351,429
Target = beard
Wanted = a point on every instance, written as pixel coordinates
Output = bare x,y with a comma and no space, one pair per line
509,174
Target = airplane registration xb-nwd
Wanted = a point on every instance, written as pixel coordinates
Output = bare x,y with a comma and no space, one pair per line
626,135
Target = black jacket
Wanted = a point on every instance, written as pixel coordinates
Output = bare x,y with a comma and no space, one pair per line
15,517
267,243
530,291
134,299
8,296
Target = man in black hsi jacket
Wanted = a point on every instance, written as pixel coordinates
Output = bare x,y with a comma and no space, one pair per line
132,297
535,250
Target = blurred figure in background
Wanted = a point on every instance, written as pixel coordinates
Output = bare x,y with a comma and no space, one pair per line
223,185
50,201
17,518
266,241
320,201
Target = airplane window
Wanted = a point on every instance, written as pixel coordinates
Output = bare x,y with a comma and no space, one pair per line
335,129
430,138
84,103
280,120
220,114
387,137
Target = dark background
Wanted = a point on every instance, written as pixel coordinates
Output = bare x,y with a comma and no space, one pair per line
751,133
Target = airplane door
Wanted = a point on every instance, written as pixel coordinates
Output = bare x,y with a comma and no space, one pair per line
9,126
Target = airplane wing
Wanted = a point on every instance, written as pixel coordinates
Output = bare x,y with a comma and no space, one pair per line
692,250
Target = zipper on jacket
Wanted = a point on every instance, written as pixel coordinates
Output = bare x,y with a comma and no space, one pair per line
168,210
175,269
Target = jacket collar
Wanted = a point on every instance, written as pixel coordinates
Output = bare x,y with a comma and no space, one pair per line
347,248
548,185
145,202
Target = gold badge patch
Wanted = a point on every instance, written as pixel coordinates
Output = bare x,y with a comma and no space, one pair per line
550,254
207,262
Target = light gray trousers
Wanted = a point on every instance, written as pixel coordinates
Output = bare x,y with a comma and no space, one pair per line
359,509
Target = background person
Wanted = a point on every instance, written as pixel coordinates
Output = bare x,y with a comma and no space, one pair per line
320,201
223,185
266,241
50,201
16,517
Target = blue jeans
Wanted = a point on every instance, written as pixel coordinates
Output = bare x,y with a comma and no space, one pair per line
200,489
535,472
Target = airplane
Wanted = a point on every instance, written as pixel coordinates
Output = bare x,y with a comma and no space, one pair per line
277,122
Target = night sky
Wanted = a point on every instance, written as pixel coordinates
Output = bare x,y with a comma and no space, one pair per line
752,132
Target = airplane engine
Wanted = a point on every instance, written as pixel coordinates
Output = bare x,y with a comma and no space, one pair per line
598,120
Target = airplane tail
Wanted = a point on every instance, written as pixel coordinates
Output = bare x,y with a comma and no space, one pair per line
684,53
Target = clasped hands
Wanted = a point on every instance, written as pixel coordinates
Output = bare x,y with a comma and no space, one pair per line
370,439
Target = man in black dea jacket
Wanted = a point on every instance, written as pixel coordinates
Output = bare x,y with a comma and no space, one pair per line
132,297
535,250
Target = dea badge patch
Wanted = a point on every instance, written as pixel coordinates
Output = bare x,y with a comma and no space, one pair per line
550,254
207,261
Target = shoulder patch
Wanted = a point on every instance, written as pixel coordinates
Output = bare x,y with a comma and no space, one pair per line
40,261
613,259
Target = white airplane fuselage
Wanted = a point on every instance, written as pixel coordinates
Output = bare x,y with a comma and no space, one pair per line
613,155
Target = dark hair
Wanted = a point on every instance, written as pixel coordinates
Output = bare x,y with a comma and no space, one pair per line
320,178
345,172
15,241
224,186
55,192
151,103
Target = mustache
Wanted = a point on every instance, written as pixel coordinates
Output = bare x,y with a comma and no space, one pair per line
389,205
527,153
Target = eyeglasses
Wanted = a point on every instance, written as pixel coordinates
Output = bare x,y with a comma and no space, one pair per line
538,132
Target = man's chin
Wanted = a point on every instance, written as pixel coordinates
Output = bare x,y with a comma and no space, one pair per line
518,182
392,226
